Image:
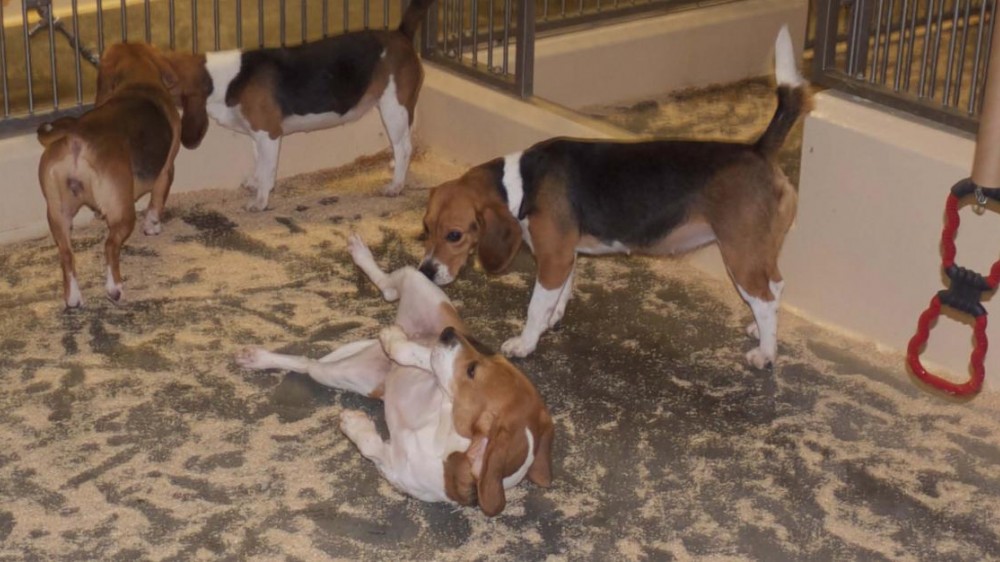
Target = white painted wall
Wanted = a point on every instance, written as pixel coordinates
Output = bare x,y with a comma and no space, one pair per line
864,255
650,56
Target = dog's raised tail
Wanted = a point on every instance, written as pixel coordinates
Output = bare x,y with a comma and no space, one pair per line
793,96
52,131
412,17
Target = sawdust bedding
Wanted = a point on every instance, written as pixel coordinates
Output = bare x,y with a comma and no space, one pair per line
129,433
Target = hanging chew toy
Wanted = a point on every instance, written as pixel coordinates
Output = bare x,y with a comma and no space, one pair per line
966,288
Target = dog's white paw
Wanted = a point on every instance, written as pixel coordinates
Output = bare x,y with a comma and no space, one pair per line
391,337
360,429
251,358
358,249
151,224
250,183
256,205
517,347
392,190
759,359
752,330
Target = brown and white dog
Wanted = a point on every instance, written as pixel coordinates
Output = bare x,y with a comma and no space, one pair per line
269,93
115,153
564,196
464,423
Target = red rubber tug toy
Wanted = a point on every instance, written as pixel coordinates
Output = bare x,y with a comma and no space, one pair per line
964,294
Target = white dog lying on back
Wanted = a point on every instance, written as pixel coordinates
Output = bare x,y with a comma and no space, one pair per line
464,423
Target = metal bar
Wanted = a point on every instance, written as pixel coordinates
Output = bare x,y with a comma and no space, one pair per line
304,16
239,24
3,65
385,14
27,56
260,24
924,59
524,78
475,31
100,27
888,42
545,10
326,19
52,55
216,23
124,16
446,26
194,26
858,55
506,34
974,84
489,37
367,9
281,22
170,24
147,17
937,48
877,44
902,43
909,47
961,52
951,54
76,46
825,50
580,7
461,28
346,15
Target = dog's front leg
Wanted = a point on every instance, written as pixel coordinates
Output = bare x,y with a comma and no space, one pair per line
403,351
545,309
265,168
765,314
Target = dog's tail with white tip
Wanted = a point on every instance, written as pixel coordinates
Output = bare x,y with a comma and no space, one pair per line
793,96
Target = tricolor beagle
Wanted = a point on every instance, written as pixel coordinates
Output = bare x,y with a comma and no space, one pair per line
269,93
464,424
114,154
565,196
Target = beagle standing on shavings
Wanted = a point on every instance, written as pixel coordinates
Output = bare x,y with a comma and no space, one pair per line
115,153
464,423
269,93
663,197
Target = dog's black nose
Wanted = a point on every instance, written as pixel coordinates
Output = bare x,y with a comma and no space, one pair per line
428,269
448,335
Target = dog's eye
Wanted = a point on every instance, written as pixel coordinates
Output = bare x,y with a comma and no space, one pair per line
454,236
471,370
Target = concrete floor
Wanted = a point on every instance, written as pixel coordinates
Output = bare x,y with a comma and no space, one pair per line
129,432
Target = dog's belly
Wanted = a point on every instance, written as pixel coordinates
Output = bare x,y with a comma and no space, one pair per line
682,239
421,432
317,121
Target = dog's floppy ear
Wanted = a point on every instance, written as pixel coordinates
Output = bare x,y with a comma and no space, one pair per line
505,451
500,239
459,482
194,87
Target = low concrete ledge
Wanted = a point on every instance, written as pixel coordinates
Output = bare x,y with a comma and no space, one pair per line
864,254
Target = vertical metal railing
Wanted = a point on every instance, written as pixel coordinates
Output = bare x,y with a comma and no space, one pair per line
492,41
926,57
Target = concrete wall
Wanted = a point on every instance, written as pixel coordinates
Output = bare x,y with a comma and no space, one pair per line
650,56
864,255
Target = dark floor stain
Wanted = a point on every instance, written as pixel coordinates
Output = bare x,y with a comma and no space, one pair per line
217,231
329,200
290,224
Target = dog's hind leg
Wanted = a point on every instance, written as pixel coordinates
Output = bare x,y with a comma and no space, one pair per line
63,198
120,225
396,118
360,429
358,367
265,169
